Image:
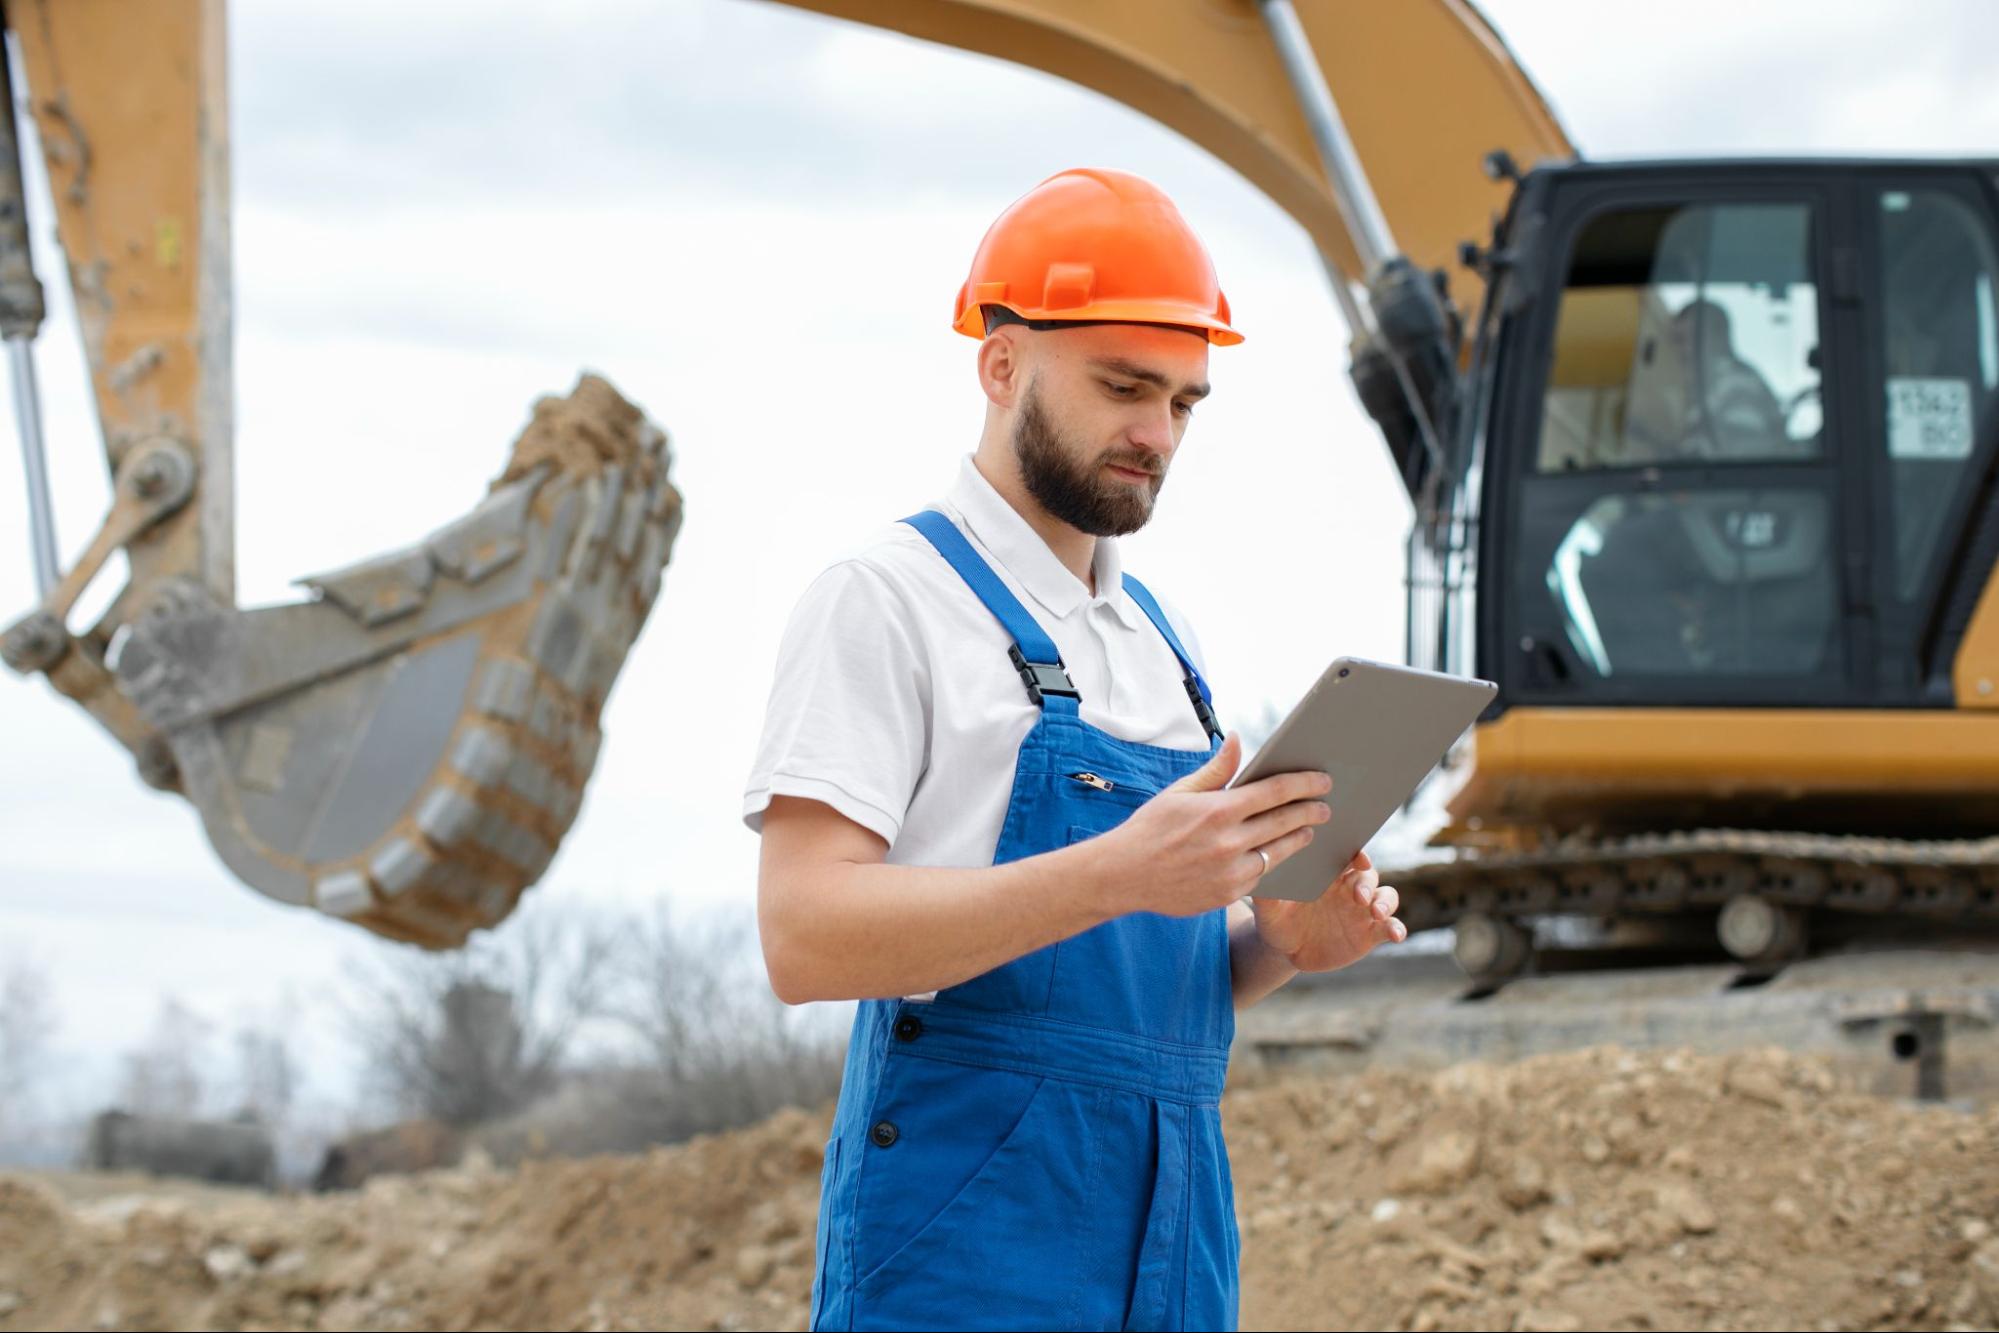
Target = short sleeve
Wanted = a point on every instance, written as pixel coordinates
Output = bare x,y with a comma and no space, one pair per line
848,718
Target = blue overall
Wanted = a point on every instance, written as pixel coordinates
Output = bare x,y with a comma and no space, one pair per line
1041,1146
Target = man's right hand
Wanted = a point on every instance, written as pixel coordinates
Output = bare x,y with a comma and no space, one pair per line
1192,848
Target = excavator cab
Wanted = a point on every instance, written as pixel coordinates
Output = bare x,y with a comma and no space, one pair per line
1746,414
1729,532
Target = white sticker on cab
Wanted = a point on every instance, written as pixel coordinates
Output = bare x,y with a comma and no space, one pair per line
1928,418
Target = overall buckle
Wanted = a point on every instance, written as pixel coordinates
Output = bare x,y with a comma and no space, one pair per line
1201,709
1042,677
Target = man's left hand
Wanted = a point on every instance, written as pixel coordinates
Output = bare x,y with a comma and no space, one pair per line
1340,926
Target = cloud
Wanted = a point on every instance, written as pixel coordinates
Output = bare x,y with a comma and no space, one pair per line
1712,77
616,104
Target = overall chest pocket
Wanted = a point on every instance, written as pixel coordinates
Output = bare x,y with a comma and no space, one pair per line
1098,800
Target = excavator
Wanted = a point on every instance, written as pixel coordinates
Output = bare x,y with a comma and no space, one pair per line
1700,456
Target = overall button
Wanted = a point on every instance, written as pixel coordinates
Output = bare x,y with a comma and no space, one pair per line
908,1028
884,1134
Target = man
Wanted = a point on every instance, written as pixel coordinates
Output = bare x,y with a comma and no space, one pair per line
1730,411
991,783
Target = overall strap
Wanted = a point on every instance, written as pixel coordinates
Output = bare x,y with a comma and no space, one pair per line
1197,689
1033,653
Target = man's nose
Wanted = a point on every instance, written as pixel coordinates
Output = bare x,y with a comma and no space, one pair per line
1154,432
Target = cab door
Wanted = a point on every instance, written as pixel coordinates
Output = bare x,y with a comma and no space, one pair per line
1671,512
1925,409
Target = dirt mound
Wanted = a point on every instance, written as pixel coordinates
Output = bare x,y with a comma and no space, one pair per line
1601,1189
716,1232
1596,1189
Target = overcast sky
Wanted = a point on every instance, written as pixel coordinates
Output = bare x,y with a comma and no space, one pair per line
753,220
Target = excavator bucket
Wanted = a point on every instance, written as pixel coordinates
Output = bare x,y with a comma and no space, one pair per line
407,749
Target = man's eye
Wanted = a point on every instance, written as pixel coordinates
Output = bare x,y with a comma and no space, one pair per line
1183,409
1121,390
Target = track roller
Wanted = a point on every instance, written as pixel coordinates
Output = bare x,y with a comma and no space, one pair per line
1492,950
1759,932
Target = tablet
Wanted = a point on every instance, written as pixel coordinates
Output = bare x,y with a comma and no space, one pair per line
1377,730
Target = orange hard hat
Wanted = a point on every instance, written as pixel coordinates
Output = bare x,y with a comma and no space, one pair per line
1090,244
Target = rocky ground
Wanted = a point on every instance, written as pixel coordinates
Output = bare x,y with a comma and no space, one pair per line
1598,1189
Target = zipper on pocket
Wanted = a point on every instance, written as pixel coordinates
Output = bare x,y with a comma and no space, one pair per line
1143,791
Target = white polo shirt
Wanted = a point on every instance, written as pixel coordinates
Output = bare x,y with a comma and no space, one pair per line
894,701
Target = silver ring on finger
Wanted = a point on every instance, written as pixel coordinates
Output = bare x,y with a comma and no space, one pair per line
1266,861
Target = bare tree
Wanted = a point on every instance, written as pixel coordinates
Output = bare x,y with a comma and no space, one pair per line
477,1034
510,1041
722,1049
266,1075
166,1074
27,1023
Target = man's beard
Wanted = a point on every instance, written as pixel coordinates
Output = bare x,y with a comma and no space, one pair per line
1074,489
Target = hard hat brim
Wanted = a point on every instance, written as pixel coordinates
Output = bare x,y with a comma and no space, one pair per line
972,322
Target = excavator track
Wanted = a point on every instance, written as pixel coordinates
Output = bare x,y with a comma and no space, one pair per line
1764,883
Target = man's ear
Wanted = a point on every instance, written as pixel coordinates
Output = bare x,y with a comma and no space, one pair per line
1003,366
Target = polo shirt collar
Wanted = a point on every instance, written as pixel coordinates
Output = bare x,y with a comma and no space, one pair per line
1033,565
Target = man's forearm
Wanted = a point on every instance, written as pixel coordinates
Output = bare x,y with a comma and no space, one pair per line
867,930
1255,969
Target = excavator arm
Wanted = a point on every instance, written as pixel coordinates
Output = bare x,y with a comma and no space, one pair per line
406,748
131,116
1425,89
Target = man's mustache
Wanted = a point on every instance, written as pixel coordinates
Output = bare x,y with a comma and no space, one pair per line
1137,464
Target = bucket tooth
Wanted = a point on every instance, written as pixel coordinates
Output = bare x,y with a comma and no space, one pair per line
504,688
447,817
604,514
527,778
545,716
343,894
557,637
560,538
631,520
400,865
482,755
